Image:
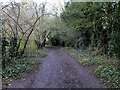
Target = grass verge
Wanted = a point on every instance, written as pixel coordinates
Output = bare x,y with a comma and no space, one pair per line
40,53
107,69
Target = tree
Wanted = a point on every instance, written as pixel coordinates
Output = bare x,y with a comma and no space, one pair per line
18,26
97,23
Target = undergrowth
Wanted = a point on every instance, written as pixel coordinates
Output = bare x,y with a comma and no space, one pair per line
37,53
19,67
109,74
107,69
16,69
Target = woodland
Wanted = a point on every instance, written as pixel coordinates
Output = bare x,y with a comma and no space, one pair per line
88,31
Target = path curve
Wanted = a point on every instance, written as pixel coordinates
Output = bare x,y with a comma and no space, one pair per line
59,70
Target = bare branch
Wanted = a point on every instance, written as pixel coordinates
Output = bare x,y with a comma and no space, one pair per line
9,24
6,32
13,19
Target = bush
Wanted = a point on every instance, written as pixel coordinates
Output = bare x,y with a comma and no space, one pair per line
109,75
16,69
55,40
107,69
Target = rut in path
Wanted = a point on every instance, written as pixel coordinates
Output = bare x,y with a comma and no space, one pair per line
59,70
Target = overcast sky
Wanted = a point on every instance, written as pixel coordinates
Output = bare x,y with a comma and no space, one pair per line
37,1
56,3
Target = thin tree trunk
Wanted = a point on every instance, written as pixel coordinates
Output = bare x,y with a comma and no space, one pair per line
23,51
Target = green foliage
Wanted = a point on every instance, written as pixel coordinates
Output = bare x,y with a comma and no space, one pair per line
74,16
37,53
55,40
114,44
86,58
4,51
16,69
32,51
60,34
18,65
109,74
98,23
107,69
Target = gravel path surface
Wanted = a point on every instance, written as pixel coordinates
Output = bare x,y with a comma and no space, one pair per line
59,70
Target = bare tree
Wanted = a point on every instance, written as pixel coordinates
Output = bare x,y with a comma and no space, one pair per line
20,22
41,30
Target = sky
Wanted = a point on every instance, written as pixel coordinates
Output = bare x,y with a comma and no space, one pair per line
28,0
56,3
37,1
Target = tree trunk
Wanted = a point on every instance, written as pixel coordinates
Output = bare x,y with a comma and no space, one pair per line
24,48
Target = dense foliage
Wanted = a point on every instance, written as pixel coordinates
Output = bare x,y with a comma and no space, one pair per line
60,34
87,26
109,74
97,23
97,35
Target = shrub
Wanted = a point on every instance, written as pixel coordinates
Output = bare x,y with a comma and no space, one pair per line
16,69
109,75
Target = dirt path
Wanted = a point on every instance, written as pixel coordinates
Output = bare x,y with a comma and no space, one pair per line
59,70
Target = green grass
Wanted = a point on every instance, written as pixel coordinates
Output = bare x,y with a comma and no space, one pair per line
107,69
40,53
85,58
